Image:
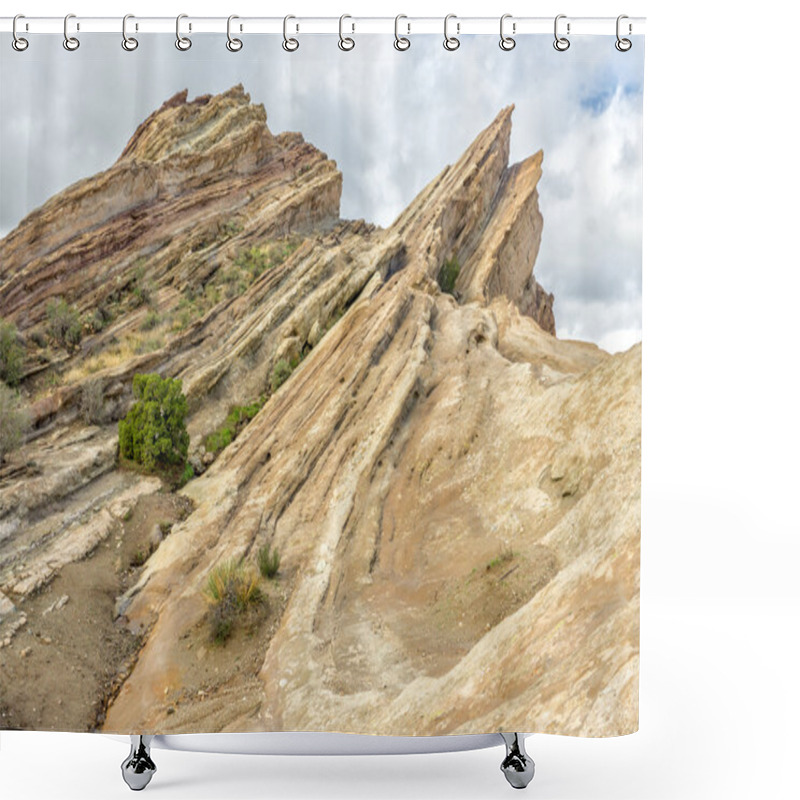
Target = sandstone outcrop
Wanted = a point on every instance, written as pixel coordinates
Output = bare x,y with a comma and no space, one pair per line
453,490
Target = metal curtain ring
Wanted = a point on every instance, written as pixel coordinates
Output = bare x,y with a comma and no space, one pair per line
128,42
289,44
561,43
181,42
401,42
345,42
233,44
18,42
507,42
70,42
451,42
623,45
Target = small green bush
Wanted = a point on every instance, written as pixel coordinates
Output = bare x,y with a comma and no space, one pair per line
11,354
448,275
63,323
269,561
280,374
237,418
14,421
231,589
154,431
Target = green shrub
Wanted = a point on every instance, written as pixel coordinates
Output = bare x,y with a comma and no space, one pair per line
11,354
269,561
237,418
14,421
280,374
231,589
448,275
63,323
154,431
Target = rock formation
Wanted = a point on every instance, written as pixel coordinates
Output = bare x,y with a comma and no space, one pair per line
453,490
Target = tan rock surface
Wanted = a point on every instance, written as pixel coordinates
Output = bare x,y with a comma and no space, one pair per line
454,491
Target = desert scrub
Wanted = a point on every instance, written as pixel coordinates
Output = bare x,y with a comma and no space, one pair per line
63,323
11,353
91,402
503,558
235,282
154,431
151,321
231,589
146,344
259,258
280,373
229,229
448,274
237,418
14,421
142,289
269,561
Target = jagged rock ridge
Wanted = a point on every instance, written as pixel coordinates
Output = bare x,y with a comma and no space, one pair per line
423,438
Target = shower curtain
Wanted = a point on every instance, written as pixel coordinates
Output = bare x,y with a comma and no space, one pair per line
320,388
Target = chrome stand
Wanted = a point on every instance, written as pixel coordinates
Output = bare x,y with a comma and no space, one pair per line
138,768
518,766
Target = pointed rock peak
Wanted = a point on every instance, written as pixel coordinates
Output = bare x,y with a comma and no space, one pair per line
458,202
199,124
497,135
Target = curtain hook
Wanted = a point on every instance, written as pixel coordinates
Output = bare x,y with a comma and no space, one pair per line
561,43
623,45
233,44
345,42
451,42
70,42
401,42
289,44
183,43
18,42
507,42
128,42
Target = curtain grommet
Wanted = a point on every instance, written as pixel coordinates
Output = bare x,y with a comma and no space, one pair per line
183,43
451,43
289,44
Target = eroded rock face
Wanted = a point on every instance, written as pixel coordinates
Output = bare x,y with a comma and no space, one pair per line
454,491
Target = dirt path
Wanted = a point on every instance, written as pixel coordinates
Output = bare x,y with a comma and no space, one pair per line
63,663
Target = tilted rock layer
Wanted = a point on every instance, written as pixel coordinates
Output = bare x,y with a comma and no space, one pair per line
454,492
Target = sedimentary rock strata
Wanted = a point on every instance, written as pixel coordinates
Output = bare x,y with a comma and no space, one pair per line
453,490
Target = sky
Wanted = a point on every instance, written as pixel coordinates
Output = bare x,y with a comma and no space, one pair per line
391,120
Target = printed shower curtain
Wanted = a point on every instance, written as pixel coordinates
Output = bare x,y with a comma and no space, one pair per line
321,386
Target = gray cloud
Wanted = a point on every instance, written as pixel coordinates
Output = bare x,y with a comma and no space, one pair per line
391,121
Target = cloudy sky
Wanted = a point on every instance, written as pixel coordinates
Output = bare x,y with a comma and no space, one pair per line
390,120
